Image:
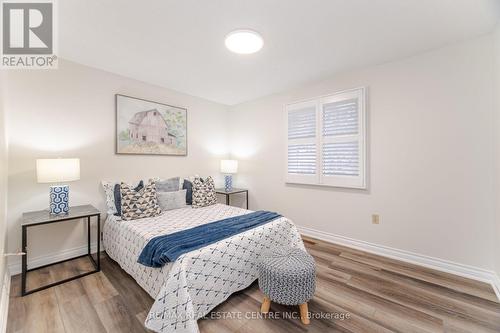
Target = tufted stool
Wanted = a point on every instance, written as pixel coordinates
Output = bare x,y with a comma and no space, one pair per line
287,276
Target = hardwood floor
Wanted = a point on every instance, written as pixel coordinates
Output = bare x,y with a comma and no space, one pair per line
374,294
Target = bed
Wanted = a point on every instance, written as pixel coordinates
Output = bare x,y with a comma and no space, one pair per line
190,287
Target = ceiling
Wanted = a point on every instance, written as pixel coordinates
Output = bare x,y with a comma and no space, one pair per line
180,44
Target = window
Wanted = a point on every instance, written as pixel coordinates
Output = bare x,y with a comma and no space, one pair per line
326,140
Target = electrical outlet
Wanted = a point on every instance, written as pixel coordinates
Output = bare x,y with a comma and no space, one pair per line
375,219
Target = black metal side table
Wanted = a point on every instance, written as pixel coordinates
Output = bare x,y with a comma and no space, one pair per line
229,193
31,219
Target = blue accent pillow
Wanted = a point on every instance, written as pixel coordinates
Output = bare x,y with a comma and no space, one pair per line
118,196
188,186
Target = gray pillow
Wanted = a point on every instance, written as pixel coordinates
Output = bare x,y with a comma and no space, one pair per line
167,185
171,200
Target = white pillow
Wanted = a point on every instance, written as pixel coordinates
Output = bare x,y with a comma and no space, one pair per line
110,196
171,200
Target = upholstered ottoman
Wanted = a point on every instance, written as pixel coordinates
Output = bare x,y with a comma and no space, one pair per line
287,276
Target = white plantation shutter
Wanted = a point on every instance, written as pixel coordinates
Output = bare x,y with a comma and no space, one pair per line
302,123
340,118
326,140
343,139
302,155
341,159
302,159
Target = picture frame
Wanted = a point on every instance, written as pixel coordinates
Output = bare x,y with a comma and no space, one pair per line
144,127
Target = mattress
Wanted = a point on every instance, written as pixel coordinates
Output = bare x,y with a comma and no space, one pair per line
196,282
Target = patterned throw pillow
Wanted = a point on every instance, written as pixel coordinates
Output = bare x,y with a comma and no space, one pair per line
139,204
118,196
204,192
109,190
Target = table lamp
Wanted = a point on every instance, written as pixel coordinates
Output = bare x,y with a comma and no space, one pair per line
58,170
228,168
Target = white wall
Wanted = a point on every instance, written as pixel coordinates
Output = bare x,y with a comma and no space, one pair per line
497,146
3,191
70,112
430,139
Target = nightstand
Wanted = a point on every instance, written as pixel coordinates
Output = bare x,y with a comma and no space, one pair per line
41,217
229,193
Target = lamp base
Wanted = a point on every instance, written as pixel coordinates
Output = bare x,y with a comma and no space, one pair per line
59,199
228,183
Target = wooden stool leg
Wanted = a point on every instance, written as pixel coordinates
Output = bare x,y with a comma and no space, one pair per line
304,314
266,304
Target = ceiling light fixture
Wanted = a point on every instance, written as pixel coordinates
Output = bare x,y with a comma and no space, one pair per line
244,41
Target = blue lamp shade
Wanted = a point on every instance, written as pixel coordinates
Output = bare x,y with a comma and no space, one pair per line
57,171
228,167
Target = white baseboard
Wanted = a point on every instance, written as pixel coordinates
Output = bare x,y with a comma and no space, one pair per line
496,285
15,267
4,301
467,271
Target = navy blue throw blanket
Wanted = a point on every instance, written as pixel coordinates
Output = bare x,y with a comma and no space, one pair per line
168,248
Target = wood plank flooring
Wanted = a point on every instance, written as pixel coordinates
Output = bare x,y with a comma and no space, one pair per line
372,293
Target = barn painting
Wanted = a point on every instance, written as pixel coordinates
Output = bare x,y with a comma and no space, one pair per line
146,127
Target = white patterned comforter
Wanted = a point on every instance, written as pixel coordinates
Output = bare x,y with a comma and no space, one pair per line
196,282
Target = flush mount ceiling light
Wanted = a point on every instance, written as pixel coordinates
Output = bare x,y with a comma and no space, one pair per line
244,41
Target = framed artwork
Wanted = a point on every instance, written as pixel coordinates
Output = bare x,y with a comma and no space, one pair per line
150,128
